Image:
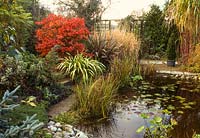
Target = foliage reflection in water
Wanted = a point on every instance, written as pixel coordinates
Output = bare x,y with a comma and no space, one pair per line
160,96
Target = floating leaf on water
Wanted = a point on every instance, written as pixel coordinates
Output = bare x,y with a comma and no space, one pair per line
178,82
148,95
191,103
182,101
166,111
150,102
184,89
165,98
144,115
135,97
143,96
180,112
172,89
157,94
171,107
140,129
126,100
145,87
151,87
164,88
157,101
145,83
159,98
157,119
180,98
195,90
187,107
147,99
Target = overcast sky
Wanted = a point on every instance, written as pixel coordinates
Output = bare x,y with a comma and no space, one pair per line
120,8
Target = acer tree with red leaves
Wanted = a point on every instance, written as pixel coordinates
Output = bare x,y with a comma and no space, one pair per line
68,33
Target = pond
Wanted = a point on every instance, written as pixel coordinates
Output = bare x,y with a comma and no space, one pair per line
162,96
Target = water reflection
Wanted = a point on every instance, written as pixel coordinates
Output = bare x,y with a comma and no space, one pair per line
179,98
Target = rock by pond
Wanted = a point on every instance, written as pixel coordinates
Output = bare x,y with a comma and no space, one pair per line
64,131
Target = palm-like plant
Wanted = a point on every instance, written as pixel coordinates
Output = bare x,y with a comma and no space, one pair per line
81,68
186,15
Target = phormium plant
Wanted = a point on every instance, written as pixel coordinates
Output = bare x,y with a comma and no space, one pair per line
103,47
65,32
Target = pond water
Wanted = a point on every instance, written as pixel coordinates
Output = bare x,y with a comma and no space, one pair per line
160,96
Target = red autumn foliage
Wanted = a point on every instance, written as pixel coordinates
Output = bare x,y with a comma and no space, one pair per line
58,30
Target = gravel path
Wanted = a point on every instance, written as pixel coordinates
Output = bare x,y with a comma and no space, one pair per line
62,106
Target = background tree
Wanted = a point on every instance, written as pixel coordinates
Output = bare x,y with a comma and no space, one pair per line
90,10
38,12
155,35
14,16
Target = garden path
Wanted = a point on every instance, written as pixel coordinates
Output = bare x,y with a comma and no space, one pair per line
161,67
62,106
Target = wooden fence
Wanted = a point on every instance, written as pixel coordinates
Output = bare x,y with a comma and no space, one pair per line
135,25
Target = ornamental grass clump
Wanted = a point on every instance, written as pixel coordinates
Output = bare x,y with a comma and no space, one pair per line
125,64
80,68
95,99
123,69
194,60
127,43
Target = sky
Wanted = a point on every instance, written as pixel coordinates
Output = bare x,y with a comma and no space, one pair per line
119,8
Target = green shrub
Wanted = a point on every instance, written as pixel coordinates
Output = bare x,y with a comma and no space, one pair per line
15,26
171,47
155,35
7,130
34,74
20,113
95,99
80,68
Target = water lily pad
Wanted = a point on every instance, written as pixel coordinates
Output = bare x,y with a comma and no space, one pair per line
144,115
157,101
180,98
157,119
171,107
157,94
180,112
164,88
184,89
187,107
140,129
191,103
166,111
